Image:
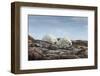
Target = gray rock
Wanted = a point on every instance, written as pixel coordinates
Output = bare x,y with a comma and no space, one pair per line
83,54
43,50
43,44
51,56
69,57
54,52
53,47
35,53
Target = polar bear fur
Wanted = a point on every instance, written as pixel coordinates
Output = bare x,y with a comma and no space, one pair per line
64,42
50,38
61,42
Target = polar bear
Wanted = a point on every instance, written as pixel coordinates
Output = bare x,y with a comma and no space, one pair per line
50,38
60,42
64,42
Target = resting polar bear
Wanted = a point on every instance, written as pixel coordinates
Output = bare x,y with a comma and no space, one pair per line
64,42
50,38
61,42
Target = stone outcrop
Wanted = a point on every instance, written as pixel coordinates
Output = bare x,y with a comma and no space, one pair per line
43,50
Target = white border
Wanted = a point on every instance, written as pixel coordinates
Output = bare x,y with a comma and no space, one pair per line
25,64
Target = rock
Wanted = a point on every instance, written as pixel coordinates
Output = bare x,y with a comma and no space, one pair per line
80,42
30,44
69,57
82,54
53,47
51,56
42,44
66,52
31,41
37,45
31,38
35,53
53,52
44,50
76,50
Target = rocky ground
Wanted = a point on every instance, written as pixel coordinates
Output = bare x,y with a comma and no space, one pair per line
42,50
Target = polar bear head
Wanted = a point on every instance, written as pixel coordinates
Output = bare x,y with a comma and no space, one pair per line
64,42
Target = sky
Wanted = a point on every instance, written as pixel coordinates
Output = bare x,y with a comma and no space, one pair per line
73,27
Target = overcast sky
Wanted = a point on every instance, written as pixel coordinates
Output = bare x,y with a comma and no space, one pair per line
75,28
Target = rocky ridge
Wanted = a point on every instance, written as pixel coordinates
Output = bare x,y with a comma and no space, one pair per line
43,50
